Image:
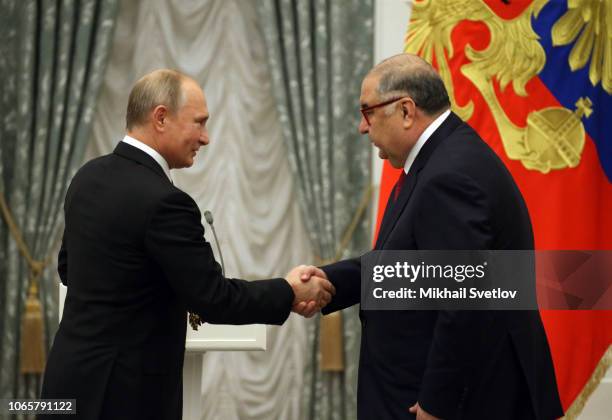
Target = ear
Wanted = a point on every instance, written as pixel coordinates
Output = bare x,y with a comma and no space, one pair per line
159,116
408,112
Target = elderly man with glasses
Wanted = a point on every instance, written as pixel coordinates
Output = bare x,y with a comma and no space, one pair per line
454,193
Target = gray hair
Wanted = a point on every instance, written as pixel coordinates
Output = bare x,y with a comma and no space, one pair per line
410,75
160,87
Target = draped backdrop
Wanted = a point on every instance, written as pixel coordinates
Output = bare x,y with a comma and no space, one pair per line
52,57
319,51
284,178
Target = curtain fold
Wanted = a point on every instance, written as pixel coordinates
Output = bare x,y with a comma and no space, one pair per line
318,53
53,55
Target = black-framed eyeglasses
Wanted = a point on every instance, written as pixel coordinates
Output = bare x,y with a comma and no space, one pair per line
368,110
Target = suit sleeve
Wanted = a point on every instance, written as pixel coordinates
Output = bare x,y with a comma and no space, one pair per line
346,277
175,241
453,214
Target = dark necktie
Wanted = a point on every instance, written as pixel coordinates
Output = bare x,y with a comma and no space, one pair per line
398,185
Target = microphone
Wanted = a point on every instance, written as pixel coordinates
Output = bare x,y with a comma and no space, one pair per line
209,219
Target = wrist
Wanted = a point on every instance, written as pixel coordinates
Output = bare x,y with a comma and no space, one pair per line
293,291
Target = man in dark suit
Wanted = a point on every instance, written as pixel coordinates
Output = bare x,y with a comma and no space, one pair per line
454,193
135,261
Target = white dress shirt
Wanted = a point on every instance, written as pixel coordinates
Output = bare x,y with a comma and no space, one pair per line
423,138
151,152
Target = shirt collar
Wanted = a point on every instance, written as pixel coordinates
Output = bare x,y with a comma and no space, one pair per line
151,152
423,138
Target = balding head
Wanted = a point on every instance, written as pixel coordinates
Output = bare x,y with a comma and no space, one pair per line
409,74
167,111
160,87
400,98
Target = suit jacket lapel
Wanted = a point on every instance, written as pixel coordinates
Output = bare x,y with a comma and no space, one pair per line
133,153
384,222
393,211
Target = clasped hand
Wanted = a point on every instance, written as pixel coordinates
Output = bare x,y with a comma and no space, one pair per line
312,289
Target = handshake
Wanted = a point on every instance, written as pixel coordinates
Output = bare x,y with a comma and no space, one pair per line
310,286
312,289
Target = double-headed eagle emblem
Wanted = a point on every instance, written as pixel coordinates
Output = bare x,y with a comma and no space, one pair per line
553,137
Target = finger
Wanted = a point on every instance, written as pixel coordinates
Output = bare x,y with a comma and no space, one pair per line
312,308
325,284
414,408
309,307
318,272
305,275
311,270
308,270
329,287
299,307
326,297
312,312
306,307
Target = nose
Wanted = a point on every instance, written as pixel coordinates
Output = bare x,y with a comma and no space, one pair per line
204,139
364,127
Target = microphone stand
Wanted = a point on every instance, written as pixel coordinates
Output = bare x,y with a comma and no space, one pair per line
194,320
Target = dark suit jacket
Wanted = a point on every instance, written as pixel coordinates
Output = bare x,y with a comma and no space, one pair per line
457,364
135,260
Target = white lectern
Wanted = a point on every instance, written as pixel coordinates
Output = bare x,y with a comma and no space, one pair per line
207,338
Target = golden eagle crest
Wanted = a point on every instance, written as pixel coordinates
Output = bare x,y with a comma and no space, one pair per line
553,137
